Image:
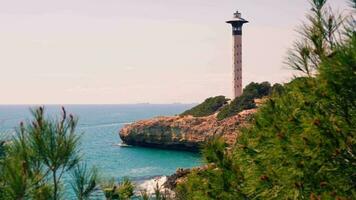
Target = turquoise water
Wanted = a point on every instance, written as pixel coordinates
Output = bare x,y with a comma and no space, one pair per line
99,126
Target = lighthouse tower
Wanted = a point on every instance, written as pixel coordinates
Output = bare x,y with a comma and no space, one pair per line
237,22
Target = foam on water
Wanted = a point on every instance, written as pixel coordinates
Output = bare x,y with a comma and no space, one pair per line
151,185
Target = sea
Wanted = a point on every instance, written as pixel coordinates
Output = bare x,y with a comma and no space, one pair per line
99,126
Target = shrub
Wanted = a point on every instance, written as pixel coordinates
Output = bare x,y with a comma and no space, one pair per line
126,189
246,100
208,107
144,195
85,181
218,181
122,191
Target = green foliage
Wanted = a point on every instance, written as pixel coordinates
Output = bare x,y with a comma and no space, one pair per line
109,189
246,100
159,194
220,180
144,195
208,107
2,155
42,192
2,149
84,181
277,89
38,156
123,191
214,152
50,146
15,177
318,39
126,189
210,184
302,142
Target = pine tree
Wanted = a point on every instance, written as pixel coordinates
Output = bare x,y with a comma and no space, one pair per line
302,142
38,157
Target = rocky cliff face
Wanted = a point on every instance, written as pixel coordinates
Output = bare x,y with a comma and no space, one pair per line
182,132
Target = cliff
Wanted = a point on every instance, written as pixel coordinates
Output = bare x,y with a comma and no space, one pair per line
182,132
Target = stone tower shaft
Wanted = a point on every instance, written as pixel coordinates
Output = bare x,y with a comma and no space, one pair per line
237,22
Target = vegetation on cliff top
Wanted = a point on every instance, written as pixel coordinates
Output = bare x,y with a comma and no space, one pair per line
208,107
301,144
246,101
219,104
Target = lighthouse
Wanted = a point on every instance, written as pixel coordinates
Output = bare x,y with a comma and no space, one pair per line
237,22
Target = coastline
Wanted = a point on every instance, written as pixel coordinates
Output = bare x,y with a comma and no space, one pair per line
185,133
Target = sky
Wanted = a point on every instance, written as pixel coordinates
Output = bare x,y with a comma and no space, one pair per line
139,51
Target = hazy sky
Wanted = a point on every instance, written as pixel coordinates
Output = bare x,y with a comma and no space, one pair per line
136,51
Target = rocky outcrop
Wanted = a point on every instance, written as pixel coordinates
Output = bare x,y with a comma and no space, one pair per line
183,132
181,175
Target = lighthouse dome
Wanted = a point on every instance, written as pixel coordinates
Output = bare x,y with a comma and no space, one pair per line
237,18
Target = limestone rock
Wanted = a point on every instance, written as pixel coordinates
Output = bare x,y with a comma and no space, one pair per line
183,132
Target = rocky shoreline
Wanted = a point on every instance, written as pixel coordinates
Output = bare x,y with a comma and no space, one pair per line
183,132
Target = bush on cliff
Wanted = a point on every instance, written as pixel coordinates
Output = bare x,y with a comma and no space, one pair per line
246,100
124,190
301,144
208,107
